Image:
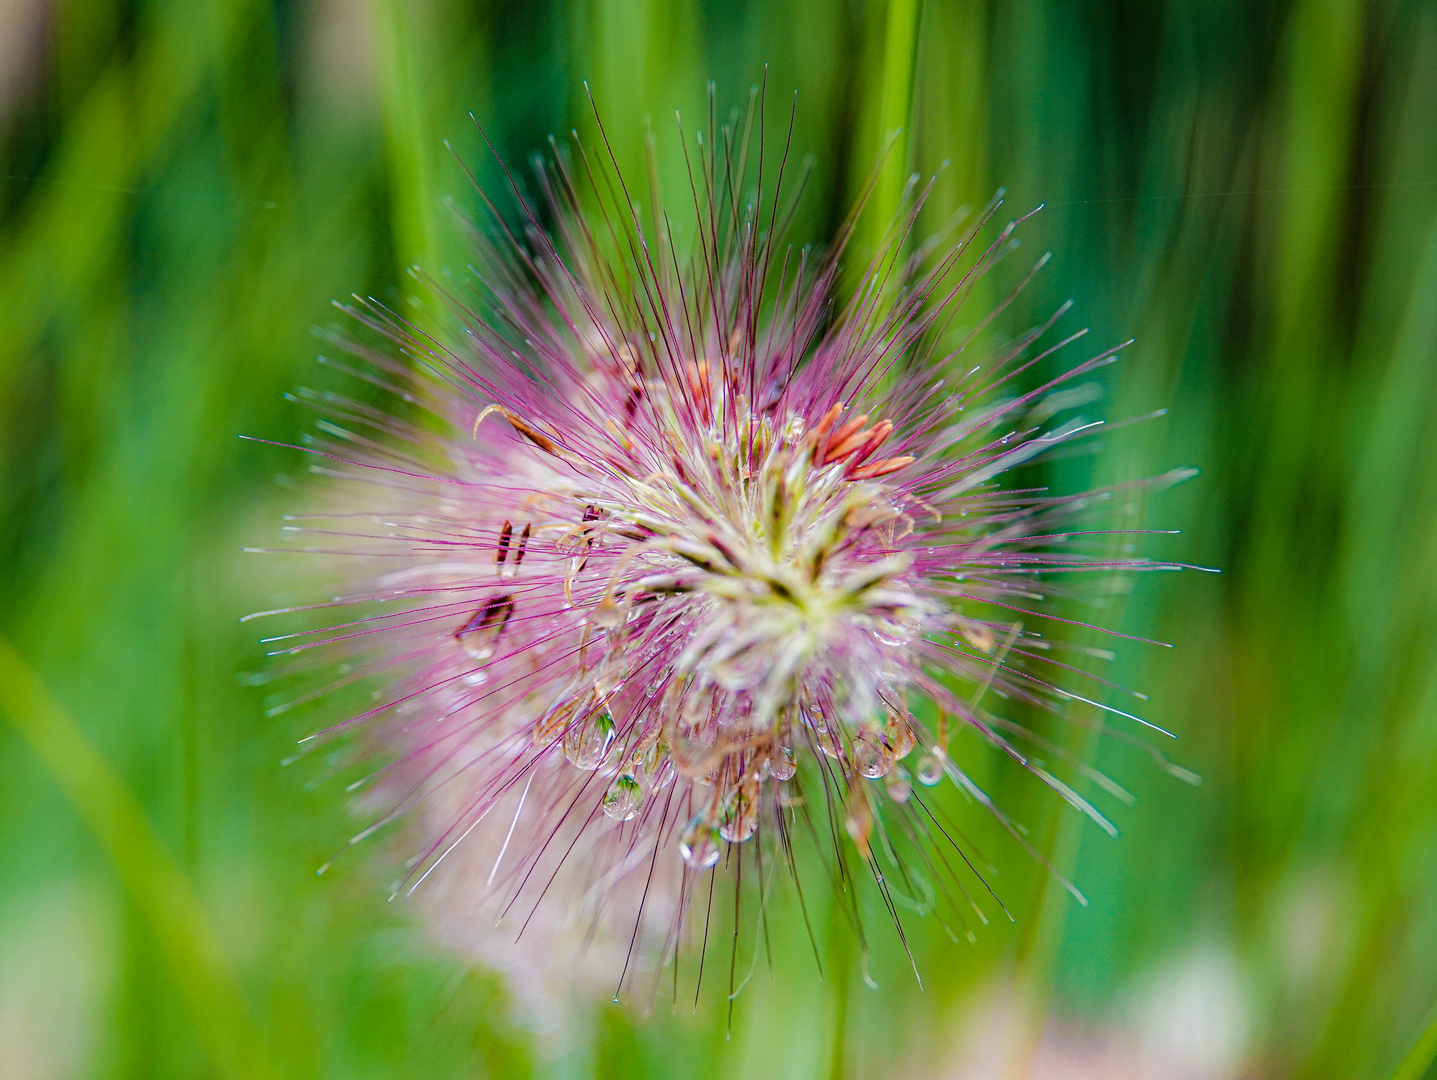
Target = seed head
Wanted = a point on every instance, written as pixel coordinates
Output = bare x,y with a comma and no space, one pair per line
671,546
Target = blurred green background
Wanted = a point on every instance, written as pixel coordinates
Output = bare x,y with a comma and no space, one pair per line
1247,186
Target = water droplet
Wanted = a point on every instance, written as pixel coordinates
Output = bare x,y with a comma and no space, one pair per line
781,763
897,785
811,715
661,774
480,634
869,758
587,743
930,770
699,843
623,799
741,816
898,736
652,687
875,751
608,615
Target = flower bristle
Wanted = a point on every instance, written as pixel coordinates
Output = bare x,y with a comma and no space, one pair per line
668,545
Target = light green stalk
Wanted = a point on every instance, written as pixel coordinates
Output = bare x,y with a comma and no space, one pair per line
408,138
157,886
900,39
1414,1065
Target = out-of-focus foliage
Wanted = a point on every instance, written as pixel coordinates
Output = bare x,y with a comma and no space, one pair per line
1250,188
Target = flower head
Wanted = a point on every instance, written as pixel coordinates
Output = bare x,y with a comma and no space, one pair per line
666,537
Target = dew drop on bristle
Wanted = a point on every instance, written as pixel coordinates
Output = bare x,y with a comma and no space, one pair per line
741,817
587,743
897,785
661,774
623,799
608,616
929,771
740,827
478,646
869,757
898,737
699,843
781,764
479,636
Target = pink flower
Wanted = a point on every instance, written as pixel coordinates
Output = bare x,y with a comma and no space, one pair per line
669,547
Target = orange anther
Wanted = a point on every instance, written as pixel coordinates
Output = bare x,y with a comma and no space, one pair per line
871,442
849,438
700,385
882,468
847,429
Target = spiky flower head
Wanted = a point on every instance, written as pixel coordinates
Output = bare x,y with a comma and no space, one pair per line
666,536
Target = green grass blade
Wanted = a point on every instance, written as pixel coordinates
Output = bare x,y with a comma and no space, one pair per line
1414,1066
159,889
